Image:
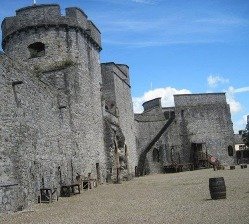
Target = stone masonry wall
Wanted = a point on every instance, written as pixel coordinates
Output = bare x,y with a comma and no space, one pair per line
116,88
148,124
204,118
199,118
34,142
69,42
68,77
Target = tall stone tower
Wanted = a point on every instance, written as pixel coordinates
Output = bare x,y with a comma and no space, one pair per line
116,91
57,98
39,36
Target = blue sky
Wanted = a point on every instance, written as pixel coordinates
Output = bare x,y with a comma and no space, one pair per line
173,46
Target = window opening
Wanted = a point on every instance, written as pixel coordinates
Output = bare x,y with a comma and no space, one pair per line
156,156
230,150
36,50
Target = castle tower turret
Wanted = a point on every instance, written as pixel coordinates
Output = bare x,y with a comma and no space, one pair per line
40,36
116,91
63,52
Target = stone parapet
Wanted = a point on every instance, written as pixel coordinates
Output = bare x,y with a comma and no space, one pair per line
152,104
199,99
50,16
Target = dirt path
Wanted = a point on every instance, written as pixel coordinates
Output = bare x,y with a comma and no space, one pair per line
165,198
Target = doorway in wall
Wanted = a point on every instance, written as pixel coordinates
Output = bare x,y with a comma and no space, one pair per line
199,156
98,172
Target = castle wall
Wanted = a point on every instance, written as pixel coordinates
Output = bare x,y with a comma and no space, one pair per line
148,124
116,89
63,114
69,76
85,103
60,34
147,130
173,145
70,41
34,140
203,119
199,99
152,104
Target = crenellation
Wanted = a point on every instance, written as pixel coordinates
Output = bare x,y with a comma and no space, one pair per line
199,99
94,33
125,70
119,70
46,16
152,104
77,13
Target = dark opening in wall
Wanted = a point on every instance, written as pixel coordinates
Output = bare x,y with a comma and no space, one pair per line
167,114
230,150
126,152
36,50
156,156
182,114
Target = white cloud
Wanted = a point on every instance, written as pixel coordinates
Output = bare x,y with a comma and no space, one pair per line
231,98
165,93
242,90
235,105
240,124
215,80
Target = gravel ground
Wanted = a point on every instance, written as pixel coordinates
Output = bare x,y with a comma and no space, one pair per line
163,198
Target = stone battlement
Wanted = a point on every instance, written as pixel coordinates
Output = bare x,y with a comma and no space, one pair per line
120,70
47,16
199,99
152,104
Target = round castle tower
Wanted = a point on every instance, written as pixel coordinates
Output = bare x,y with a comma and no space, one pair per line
63,50
41,37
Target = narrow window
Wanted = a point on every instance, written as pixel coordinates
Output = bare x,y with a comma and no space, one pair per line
36,50
156,156
126,152
230,150
167,115
182,114
98,172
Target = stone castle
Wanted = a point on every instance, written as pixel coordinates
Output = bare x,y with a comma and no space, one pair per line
63,113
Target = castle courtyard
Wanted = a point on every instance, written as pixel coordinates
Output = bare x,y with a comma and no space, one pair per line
66,116
163,198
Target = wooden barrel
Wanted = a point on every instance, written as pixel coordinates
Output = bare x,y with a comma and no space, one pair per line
217,188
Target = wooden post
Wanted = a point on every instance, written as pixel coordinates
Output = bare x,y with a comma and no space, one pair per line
117,162
179,158
127,157
89,181
43,185
98,174
171,154
72,179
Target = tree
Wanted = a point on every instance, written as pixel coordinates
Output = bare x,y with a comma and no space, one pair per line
245,135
